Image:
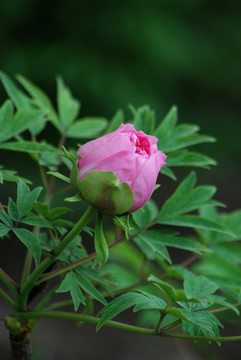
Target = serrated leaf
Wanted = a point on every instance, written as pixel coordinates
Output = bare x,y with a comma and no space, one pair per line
30,241
219,300
152,248
144,119
177,143
68,107
195,221
166,238
6,112
22,120
126,301
199,288
28,146
188,158
70,283
101,246
26,198
146,214
165,129
36,221
58,211
18,97
186,198
167,288
4,229
168,172
11,175
86,128
88,287
203,319
13,210
42,208
5,218
59,176
116,121
40,99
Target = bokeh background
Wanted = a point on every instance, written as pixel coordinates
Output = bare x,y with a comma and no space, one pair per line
112,53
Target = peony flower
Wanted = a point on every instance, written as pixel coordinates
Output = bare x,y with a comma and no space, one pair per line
134,159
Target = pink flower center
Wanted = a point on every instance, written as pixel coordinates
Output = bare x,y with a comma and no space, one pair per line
142,145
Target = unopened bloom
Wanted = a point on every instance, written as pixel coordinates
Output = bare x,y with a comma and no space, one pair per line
131,155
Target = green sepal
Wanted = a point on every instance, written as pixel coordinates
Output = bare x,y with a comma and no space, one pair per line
101,246
103,190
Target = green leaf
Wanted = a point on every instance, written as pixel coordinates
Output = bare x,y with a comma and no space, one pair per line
177,143
169,238
36,221
5,218
146,214
71,283
40,99
68,107
200,323
186,198
142,300
101,246
195,221
10,175
20,99
28,146
25,198
88,287
124,223
116,121
6,112
168,172
188,158
199,288
144,119
203,319
165,129
152,248
22,120
167,288
148,301
58,211
4,229
13,210
75,198
88,127
219,300
30,241
59,176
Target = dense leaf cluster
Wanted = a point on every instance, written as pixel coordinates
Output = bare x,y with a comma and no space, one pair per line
132,265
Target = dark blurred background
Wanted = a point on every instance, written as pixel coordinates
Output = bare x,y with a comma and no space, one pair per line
112,53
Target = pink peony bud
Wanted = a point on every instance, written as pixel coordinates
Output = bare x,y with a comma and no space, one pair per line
131,155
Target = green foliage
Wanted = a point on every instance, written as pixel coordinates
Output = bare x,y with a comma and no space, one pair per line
131,258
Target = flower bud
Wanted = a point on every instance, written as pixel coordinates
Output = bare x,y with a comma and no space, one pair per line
118,171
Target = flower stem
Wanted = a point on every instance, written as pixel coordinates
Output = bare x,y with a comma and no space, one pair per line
27,286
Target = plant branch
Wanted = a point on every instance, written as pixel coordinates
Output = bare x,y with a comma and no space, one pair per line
5,296
118,325
10,283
